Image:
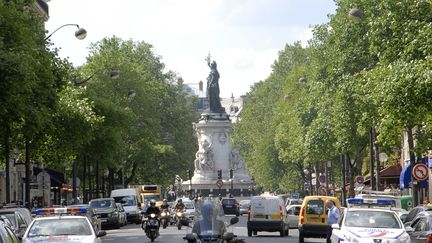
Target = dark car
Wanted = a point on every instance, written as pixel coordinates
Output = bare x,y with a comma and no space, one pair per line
107,211
231,206
20,218
421,229
6,234
413,213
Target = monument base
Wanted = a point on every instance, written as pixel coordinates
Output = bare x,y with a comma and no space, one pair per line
237,189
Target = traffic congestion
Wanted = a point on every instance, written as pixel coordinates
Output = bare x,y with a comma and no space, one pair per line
368,217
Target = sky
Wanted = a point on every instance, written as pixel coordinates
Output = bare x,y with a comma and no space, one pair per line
242,36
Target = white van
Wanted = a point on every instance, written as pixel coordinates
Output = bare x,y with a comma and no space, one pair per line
131,202
267,213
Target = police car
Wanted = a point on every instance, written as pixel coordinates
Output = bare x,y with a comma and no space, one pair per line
368,220
62,225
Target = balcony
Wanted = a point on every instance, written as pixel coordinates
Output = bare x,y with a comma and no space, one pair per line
42,8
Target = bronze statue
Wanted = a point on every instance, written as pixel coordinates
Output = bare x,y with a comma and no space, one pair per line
213,88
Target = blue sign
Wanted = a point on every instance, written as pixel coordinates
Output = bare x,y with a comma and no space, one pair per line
360,179
430,162
295,195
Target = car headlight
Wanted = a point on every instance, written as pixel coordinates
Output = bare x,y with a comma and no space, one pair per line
179,214
163,214
351,239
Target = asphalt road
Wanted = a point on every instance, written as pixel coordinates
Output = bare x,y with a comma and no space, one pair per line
133,234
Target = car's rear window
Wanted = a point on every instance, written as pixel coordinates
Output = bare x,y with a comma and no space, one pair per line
228,201
315,207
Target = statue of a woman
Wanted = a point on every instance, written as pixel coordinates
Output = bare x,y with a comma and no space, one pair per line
213,88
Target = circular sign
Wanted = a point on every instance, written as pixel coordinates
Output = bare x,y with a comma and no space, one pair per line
420,172
322,178
219,183
360,179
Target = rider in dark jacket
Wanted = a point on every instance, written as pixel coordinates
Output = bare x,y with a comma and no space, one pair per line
152,208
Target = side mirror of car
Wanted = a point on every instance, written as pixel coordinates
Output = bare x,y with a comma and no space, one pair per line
234,220
335,226
409,229
101,233
228,236
189,237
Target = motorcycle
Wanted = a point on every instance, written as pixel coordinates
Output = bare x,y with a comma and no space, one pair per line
164,218
180,219
209,225
150,226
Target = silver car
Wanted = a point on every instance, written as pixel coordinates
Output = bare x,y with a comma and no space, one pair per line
244,206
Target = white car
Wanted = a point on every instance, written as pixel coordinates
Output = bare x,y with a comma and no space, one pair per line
293,212
60,226
369,224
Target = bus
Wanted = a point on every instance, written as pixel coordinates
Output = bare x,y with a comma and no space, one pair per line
149,192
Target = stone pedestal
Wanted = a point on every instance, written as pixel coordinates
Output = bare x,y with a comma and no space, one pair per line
215,153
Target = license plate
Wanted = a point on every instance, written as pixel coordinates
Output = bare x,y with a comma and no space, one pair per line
314,220
104,220
260,216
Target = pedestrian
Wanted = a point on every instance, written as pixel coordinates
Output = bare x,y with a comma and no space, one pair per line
333,217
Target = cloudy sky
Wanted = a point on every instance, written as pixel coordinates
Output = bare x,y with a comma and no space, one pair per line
243,36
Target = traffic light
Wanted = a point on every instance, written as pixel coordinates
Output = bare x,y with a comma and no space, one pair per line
231,173
219,174
189,174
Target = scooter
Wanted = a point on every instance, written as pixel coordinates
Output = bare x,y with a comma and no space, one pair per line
150,226
164,218
180,219
204,237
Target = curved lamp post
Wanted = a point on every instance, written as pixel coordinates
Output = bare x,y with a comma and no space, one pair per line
80,33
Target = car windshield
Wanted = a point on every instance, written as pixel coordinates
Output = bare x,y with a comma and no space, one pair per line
372,219
60,226
148,198
126,200
244,202
101,204
189,205
10,216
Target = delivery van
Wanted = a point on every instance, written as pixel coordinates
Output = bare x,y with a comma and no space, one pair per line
267,213
130,200
313,216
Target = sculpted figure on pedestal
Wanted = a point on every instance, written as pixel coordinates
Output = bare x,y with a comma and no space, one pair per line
236,160
204,157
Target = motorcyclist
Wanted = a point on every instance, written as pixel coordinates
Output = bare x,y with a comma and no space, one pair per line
180,205
152,208
164,205
208,222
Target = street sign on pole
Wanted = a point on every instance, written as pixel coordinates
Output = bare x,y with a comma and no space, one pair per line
360,179
219,183
420,172
322,179
295,195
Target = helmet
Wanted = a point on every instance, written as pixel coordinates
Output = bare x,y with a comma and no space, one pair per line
152,202
165,200
180,200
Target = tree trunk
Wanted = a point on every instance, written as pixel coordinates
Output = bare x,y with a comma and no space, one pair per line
412,163
90,184
342,160
130,178
27,175
371,158
97,179
351,175
6,156
74,181
377,161
84,178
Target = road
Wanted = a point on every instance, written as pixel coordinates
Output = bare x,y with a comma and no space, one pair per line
133,234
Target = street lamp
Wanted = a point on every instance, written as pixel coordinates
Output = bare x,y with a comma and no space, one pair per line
355,14
114,74
80,33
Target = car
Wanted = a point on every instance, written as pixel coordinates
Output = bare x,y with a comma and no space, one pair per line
293,212
123,217
6,234
267,213
412,214
107,211
230,206
61,225
421,228
244,206
293,201
369,224
91,215
19,218
313,216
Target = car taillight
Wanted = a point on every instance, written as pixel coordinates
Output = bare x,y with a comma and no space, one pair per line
281,212
249,213
429,239
302,216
